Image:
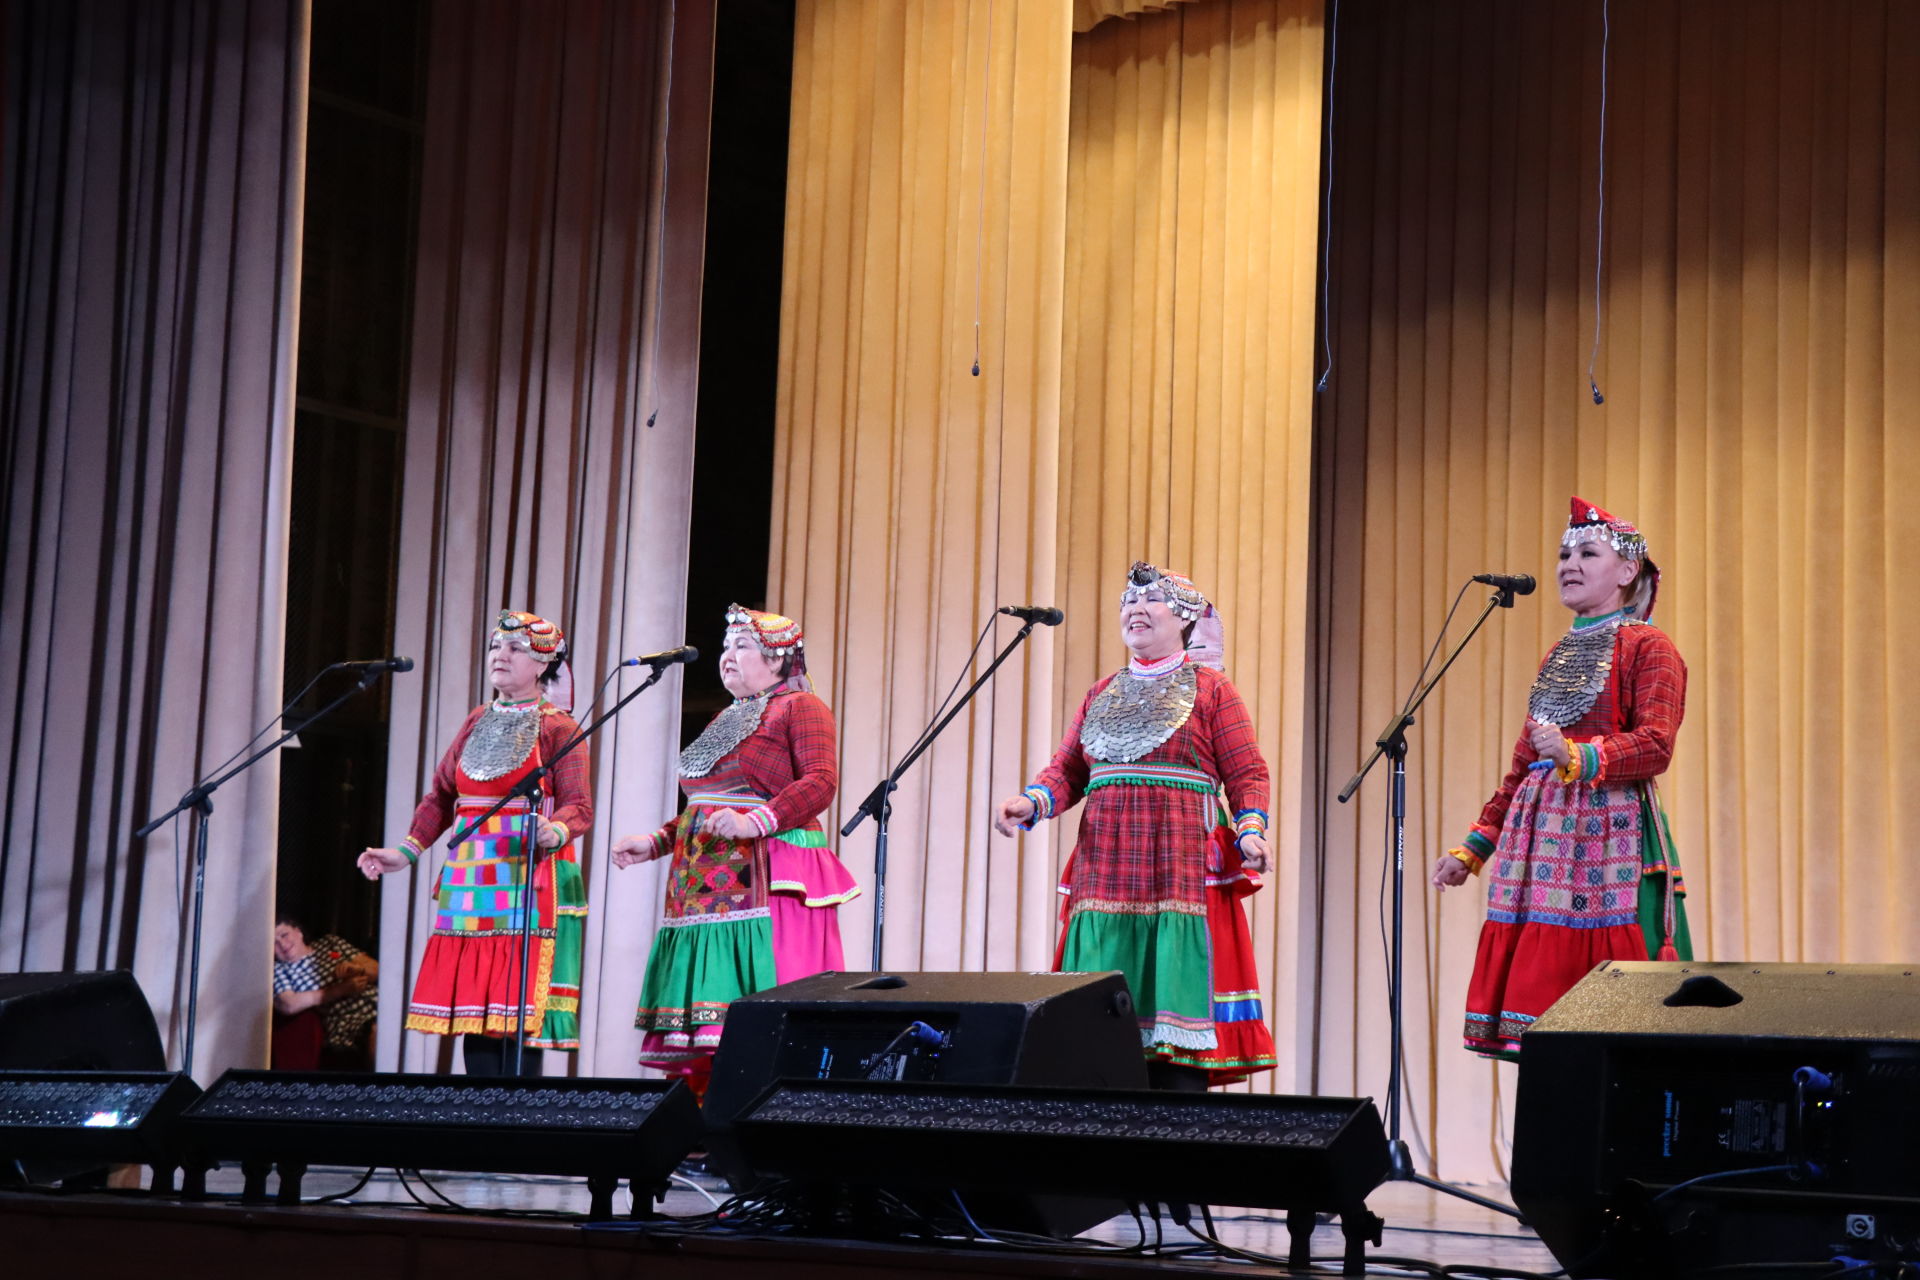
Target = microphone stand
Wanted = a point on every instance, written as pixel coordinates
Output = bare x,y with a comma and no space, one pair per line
528,788
1392,743
879,802
200,799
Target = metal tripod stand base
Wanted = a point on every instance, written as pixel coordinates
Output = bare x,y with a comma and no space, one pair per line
1400,1169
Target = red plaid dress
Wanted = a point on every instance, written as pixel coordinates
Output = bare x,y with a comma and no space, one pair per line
469,975
1154,885
1584,871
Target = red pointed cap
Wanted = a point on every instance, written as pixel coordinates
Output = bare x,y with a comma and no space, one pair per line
1584,512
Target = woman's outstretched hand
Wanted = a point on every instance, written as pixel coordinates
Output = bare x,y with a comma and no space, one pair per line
374,863
628,850
1012,815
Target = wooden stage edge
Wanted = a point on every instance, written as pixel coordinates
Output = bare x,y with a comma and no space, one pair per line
120,1234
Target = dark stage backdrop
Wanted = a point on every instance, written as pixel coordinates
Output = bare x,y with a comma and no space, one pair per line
549,452
150,218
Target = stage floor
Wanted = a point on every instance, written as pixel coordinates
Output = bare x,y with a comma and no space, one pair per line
383,1231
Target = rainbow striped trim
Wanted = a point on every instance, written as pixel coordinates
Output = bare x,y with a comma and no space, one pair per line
1042,806
726,799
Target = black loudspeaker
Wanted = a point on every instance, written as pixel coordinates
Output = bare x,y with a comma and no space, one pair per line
77,1022
83,1022
60,1123
1074,1029
1679,1115
1303,1155
599,1129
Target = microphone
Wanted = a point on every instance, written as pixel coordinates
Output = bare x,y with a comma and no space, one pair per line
665,658
1035,613
1521,584
377,664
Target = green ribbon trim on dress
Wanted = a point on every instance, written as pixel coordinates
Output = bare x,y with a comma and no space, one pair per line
803,839
1660,860
1144,780
1172,777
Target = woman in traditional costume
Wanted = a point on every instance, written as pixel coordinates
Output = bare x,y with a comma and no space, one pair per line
1584,868
1154,886
753,889
470,977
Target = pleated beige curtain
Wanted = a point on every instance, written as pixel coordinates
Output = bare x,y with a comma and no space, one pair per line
1187,396
151,213
927,169
549,447
1760,423
1161,163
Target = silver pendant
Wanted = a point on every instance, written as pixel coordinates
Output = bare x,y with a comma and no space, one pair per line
500,742
1572,677
1134,714
723,733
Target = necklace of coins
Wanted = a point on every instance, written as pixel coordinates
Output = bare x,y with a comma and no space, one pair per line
723,733
1134,714
501,741
1573,675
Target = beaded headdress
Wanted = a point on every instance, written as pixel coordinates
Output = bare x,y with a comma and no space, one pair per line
776,635
541,636
1207,641
1587,522
546,642
1183,597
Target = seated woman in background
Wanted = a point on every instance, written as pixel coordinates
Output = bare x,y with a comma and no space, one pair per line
323,1001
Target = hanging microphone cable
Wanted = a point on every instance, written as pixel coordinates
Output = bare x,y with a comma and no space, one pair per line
980,211
1600,215
1326,209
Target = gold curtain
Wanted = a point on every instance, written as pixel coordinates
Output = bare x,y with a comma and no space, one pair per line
1187,400
1155,166
1762,254
927,168
549,452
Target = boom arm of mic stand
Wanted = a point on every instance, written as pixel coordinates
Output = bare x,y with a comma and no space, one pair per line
877,799
199,796
1393,738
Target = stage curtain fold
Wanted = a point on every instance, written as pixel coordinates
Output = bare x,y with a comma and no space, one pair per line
1187,396
549,452
1088,14
927,168
151,218
1762,230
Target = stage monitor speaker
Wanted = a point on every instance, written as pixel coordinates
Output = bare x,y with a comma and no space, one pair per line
1070,1029
1673,1116
77,1022
599,1129
86,1120
1301,1154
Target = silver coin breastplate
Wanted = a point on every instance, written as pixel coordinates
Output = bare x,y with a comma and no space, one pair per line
500,742
1134,714
723,733
1573,675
